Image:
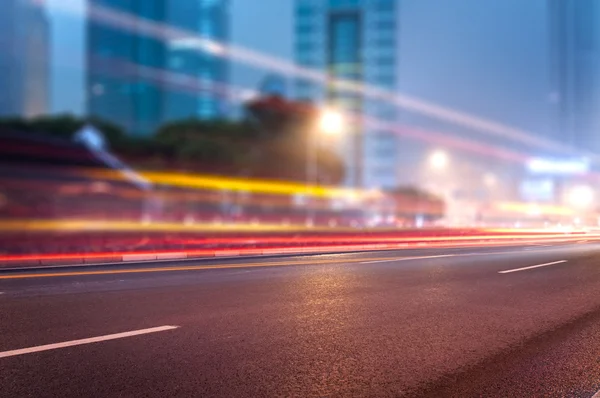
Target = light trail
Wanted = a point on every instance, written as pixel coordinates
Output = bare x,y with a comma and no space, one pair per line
332,246
187,83
193,41
232,184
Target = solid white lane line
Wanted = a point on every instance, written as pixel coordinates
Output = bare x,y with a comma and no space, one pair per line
406,259
90,340
448,255
383,261
532,267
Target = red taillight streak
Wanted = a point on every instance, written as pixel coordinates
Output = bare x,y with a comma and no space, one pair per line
464,241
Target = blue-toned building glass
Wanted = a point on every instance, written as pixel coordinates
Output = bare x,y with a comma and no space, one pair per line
202,77
353,40
574,28
344,62
24,59
141,81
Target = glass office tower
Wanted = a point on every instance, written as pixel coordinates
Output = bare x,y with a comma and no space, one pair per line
353,40
24,59
575,71
141,78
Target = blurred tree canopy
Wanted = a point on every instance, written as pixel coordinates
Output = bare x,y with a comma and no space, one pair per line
424,201
269,142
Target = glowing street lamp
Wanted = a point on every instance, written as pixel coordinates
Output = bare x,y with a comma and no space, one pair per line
580,196
490,180
331,122
439,160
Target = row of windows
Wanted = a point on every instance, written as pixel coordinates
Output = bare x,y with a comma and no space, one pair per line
384,25
305,47
385,60
385,47
305,28
305,11
385,6
381,6
343,3
384,67
383,80
308,27
384,42
309,62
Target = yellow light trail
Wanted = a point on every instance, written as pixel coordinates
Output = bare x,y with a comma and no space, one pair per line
132,226
231,184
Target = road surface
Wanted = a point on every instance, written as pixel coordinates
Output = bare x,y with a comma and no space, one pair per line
498,322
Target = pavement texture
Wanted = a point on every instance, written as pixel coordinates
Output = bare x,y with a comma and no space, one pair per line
392,323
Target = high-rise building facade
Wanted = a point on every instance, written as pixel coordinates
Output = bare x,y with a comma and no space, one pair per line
574,37
142,79
353,40
24,59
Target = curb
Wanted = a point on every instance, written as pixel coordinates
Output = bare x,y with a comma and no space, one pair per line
91,260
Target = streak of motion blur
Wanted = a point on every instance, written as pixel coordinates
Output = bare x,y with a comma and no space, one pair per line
207,135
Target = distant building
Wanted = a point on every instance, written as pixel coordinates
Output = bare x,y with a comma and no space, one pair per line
24,59
574,35
141,81
354,40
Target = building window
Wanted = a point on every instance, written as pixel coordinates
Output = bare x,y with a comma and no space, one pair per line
386,25
209,3
385,61
385,5
344,44
385,42
304,47
176,62
304,29
305,11
384,80
343,3
305,60
207,28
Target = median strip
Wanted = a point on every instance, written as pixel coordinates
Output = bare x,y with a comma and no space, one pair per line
53,260
90,340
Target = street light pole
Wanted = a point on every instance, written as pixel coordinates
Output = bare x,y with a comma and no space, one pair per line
311,175
330,122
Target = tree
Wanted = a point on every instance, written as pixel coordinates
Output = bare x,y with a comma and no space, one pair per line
64,126
274,115
269,143
416,200
288,125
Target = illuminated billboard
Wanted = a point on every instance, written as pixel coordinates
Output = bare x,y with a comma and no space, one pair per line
558,166
538,190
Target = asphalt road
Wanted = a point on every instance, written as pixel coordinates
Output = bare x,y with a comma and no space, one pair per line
494,322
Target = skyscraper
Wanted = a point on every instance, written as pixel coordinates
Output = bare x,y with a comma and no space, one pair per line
574,35
354,40
24,59
140,80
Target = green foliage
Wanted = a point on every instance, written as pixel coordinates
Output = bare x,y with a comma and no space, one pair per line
415,193
216,146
